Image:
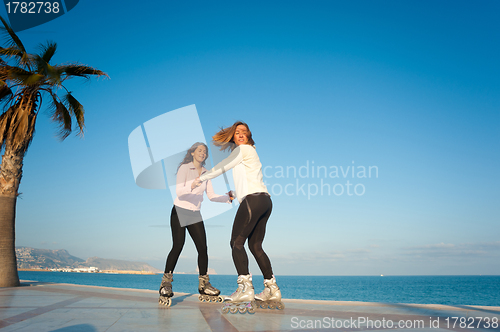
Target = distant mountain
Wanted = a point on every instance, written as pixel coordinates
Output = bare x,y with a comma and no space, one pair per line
31,258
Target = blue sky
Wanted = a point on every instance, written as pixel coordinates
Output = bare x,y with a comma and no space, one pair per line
410,88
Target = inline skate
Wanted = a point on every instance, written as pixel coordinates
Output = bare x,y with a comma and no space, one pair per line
208,293
243,299
166,290
270,296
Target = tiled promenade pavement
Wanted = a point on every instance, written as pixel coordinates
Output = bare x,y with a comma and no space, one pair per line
63,308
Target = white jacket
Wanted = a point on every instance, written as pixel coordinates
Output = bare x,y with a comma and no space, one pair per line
247,173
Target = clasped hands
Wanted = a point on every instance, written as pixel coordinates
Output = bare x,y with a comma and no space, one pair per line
197,182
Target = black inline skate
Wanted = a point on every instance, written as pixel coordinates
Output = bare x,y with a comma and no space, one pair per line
208,293
166,290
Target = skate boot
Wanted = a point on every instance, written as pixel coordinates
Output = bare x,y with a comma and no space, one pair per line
243,299
270,296
166,290
208,293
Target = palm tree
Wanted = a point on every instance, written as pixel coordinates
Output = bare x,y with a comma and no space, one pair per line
24,79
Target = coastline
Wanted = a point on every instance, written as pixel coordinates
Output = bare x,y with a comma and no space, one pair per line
103,271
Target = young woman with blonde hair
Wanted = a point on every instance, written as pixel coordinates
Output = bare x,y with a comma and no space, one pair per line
252,215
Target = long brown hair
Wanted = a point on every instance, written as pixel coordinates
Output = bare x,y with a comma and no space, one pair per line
225,137
189,158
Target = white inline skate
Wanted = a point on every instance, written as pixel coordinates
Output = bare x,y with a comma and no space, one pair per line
166,290
243,299
208,293
270,296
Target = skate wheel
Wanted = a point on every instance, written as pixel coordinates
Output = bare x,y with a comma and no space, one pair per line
263,306
220,299
272,306
201,298
233,310
252,309
280,306
242,310
166,303
225,309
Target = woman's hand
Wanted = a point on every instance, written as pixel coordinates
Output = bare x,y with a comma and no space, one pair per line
196,183
231,195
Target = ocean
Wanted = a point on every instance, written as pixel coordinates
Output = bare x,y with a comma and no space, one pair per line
448,290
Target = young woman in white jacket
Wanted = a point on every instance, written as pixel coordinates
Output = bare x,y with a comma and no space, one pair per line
252,215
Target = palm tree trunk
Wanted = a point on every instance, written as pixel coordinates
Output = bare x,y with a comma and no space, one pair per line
11,171
10,177
8,263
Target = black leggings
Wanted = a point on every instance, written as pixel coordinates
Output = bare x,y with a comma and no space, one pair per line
197,232
250,223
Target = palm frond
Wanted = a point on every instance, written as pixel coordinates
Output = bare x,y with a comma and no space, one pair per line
4,126
3,75
62,116
48,51
41,65
23,77
5,91
20,58
10,35
13,40
17,124
5,72
76,109
24,130
51,74
80,71
54,75
12,51
22,85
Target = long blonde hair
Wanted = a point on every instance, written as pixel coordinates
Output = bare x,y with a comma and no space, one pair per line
189,158
224,138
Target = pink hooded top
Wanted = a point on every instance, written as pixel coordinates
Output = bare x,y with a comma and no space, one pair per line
191,199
